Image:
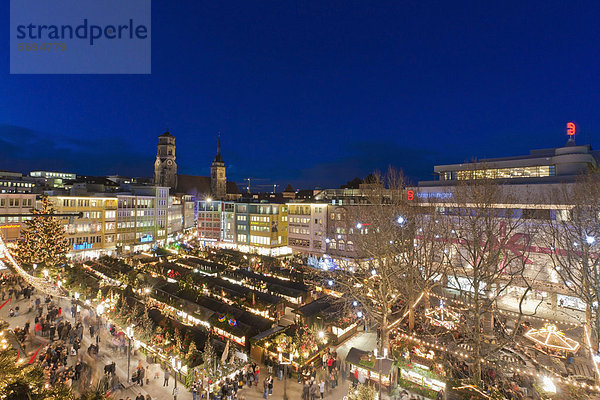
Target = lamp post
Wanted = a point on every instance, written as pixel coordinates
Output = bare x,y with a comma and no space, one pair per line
385,353
129,333
177,367
285,372
99,312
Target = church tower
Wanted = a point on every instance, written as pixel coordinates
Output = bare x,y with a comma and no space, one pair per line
165,167
218,180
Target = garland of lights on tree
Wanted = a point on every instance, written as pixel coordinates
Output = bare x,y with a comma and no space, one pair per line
44,241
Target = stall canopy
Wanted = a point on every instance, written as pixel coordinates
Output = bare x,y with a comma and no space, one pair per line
360,359
549,336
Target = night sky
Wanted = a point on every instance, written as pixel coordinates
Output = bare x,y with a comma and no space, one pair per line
314,93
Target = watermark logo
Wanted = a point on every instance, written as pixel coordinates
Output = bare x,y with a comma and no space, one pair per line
80,37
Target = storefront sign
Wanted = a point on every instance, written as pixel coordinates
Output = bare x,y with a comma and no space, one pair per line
82,246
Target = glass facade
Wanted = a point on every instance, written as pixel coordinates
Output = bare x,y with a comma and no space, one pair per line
501,173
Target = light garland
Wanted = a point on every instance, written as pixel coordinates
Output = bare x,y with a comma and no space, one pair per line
39,283
558,377
525,316
549,336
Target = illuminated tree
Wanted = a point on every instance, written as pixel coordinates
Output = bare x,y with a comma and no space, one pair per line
192,354
209,358
488,243
20,380
395,252
44,240
572,236
362,392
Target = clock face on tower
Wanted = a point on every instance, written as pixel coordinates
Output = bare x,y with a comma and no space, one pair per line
169,162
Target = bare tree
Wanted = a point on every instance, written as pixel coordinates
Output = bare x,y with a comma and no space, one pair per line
392,255
482,224
573,239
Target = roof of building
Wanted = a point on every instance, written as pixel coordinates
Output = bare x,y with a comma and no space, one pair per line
315,307
218,157
167,134
289,188
200,185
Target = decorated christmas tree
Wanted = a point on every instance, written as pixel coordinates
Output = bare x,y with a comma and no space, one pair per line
44,240
178,342
147,325
210,360
159,336
362,392
192,354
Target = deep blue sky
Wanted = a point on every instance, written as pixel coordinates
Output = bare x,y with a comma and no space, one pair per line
317,92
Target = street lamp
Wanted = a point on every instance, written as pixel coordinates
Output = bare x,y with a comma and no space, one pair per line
385,353
177,367
129,333
99,312
285,372
590,240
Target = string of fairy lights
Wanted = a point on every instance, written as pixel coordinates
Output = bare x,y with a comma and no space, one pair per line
39,283
413,338
507,312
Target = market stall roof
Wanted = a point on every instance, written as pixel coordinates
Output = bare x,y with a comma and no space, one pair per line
296,286
268,333
357,357
242,291
315,307
551,337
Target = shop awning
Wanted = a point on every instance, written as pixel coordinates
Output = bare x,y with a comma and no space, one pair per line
362,359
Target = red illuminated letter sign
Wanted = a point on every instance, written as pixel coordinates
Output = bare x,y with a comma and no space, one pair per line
570,128
411,195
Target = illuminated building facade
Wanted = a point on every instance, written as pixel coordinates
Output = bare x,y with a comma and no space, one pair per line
529,183
15,182
142,218
307,228
21,203
94,233
546,165
181,215
249,227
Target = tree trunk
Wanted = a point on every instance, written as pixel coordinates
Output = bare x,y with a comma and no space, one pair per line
385,333
427,300
411,319
477,348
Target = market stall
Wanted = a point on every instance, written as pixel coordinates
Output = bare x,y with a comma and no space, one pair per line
365,367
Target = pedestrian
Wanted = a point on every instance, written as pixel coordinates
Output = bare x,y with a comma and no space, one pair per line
305,391
313,390
166,376
141,374
195,391
322,388
78,368
270,384
265,388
